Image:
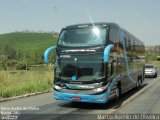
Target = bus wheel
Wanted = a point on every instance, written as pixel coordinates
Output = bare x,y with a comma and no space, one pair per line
138,84
118,92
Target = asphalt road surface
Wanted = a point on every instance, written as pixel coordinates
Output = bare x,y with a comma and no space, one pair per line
44,107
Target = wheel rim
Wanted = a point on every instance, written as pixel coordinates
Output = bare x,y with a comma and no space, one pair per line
117,92
137,83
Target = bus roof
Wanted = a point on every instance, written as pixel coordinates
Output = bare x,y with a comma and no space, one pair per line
92,24
103,24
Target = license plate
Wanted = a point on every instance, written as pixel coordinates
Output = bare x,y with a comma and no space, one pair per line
76,98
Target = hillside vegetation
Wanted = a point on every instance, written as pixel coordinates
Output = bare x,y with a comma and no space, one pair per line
153,55
24,47
21,54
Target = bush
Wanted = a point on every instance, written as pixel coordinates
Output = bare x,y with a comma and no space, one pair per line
2,66
21,65
11,63
158,58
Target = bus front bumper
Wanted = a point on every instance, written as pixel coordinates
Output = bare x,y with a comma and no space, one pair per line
100,98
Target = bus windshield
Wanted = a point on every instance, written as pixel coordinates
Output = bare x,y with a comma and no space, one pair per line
83,36
85,68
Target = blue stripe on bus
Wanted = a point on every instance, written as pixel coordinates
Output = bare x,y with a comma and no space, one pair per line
107,53
46,53
126,60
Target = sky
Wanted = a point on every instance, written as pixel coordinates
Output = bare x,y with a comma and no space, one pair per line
139,17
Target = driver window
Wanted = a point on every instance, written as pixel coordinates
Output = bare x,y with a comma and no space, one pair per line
111,68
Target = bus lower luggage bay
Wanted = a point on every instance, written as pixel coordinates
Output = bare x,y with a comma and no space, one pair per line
96,62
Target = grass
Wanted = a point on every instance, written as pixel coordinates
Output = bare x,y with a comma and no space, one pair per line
156,63
14,83
36,79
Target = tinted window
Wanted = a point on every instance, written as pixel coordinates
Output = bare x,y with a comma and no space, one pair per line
83,36
84,68
113,35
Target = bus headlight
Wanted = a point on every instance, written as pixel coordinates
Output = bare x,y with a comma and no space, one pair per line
57,87
98,90
101,88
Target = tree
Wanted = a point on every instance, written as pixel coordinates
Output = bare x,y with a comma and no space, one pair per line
3,62
9,51
19,55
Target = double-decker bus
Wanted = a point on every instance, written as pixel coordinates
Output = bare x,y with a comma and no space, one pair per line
96,62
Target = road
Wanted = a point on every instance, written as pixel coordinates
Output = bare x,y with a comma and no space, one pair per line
46,108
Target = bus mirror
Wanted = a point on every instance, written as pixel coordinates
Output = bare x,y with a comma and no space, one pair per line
46,53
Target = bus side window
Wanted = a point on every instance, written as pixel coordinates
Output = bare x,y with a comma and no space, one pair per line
113,35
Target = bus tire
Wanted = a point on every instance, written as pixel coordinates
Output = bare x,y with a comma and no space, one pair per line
138,84
118,91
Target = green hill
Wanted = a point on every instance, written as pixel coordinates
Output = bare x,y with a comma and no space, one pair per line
27,44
